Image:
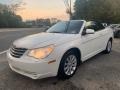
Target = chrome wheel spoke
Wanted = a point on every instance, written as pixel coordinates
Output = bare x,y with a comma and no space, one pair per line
68,71
66,68
109,46
70,65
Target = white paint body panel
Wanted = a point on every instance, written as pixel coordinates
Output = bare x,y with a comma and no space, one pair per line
89,45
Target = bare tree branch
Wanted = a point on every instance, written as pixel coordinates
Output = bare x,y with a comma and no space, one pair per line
68,7
14,5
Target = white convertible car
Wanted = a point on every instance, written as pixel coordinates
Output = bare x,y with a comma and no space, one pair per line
59,50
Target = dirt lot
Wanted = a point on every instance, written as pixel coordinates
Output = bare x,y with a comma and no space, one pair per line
101,72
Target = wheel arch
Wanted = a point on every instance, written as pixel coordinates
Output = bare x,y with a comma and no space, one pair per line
77,51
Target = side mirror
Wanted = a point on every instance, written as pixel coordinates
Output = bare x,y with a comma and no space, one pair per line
90,31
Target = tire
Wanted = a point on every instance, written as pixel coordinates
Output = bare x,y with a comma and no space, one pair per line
108,47
68,65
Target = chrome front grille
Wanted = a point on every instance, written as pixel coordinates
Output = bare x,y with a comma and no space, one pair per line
17,52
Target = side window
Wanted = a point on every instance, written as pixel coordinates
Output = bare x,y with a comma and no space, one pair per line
99,26
90,25
95,26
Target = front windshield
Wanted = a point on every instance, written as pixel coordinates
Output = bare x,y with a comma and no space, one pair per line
68,27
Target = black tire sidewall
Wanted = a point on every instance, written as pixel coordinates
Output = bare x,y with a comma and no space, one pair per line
107,46
61,73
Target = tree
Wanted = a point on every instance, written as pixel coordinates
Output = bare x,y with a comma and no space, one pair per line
8,18
68,7
97,10
15,6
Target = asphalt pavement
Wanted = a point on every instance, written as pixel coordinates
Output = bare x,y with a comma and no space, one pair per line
101,72
7,36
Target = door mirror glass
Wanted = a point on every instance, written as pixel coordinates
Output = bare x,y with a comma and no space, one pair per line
90,31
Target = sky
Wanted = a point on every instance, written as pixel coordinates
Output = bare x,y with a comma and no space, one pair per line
34,9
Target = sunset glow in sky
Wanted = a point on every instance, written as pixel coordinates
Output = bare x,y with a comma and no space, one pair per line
42,9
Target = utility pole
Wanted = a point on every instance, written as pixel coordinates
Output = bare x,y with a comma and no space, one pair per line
70,10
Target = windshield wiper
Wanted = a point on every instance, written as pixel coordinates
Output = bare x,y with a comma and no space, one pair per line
56,32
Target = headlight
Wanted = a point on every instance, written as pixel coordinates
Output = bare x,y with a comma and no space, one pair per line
41,53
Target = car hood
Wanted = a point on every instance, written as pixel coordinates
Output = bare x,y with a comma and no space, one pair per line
41,40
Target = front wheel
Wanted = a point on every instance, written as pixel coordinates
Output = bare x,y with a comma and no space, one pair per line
109,47
68,65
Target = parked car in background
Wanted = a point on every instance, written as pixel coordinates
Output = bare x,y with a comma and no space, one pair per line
60,50
116,29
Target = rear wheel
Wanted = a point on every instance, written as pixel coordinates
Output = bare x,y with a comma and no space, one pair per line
109,47
68,65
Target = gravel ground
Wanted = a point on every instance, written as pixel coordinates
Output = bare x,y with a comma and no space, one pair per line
116,45
101,72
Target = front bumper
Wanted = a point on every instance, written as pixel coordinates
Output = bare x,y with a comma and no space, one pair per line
30,68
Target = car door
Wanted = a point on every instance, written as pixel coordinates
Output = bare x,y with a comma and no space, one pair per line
91,43
102,36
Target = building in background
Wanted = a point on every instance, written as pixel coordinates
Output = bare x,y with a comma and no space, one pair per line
54,21
42,22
